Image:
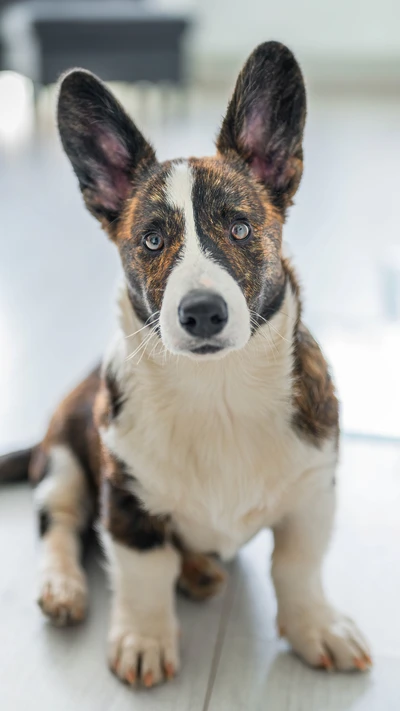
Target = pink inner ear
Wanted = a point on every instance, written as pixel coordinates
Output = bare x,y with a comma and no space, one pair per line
111,191
269,166
253,135
261,170
113,182
253,139
114,150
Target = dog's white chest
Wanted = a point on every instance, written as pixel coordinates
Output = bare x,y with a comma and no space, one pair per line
221,477
213,445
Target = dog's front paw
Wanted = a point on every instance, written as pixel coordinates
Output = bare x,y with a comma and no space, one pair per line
63,596
138,659
325,638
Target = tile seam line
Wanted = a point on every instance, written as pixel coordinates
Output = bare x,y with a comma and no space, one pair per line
219,644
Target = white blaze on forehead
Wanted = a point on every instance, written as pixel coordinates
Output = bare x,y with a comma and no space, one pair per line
197,269
179,189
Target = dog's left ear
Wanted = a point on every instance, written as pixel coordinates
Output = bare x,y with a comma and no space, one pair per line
265,121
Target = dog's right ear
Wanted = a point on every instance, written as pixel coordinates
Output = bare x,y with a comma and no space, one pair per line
103,144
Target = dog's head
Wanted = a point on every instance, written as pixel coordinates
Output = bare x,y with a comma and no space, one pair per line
200,239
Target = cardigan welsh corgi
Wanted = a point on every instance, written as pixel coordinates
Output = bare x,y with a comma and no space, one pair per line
214,414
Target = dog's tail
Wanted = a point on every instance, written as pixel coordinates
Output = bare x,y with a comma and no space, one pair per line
14,467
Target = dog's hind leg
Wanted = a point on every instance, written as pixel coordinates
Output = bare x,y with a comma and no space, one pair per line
63,503
201,577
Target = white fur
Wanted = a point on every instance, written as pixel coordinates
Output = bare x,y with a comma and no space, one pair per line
213,445
179,189
318,632
143,621
197,270
64,496
64,488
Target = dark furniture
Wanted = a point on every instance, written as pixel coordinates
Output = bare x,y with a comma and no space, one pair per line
121,40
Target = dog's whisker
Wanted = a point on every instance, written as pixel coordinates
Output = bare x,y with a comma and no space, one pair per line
162,351
138,349
148,341
270,325
293,318
145,348
266,320
272,344
153,349
277,332
148,323
141,345
267,338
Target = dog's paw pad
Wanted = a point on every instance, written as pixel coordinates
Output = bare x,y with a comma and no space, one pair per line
146,661
63,597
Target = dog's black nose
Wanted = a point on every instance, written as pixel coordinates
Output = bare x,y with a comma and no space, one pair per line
203,313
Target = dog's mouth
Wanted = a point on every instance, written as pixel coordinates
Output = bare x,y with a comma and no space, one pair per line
203,350
207,349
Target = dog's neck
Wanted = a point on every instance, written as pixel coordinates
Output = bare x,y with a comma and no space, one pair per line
263,369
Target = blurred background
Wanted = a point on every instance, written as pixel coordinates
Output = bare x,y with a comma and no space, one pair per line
173,63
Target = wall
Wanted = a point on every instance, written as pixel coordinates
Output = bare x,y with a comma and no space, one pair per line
337,38
353,27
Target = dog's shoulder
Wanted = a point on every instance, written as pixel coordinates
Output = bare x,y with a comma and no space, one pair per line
316,407
72,425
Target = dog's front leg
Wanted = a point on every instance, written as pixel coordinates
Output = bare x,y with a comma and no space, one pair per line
317,632
144,566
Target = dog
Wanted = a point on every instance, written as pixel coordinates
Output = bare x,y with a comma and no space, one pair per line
214,414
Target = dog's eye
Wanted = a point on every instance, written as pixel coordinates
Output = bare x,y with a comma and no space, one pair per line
240,230
153,241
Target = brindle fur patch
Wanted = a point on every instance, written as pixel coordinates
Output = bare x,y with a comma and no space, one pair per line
316,406
224,192
123,516
109,400
147,272
201,576
102,408
72,425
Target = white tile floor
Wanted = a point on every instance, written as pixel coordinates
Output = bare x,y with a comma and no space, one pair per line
57,275
232,659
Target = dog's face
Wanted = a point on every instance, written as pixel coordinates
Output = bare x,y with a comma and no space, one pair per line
199,239
200,244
